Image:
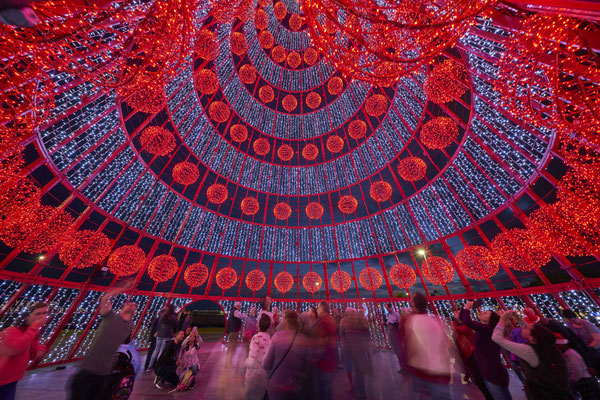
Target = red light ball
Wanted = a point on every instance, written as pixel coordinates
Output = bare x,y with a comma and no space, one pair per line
380,191
195,275
255,280
340,281
312,282
185,173
347,204
313,100
217,193
280,10
310,152
207,45
314,210
250,206
520,250
439,133
477,262
126,260
266,94
370,278
412,169
282,211
226,278
266,40
239,133
295,22
285,152
357,129
162,268
261,146
84,249
335,85
284,281
289,103
293,59
157,141
238,42
219,111
335,144
310,56
247,74
437,270
261,20
376,105
403,276
206,81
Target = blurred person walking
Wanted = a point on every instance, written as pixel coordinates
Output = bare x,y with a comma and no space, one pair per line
356,345
256,376
95,371
393,331
544,368
427,352
166,328
232,329
487,352
286,361
324,352
18,345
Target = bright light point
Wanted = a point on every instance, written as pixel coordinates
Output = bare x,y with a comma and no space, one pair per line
42,257
421,252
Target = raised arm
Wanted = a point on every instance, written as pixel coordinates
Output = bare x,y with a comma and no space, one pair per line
106,301
465,317
521,350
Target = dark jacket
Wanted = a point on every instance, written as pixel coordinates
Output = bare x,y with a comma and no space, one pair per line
486,352
154,329
169,355
550,379
167,327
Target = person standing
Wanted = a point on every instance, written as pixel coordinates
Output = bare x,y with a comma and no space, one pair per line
166,328
233,328
95,370
286,361
256,376
356,344
393,331
325,347
487,352
544,368
18,345
517,337
265,308
152,338
427,355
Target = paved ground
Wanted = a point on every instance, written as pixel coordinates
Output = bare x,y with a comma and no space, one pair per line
217,382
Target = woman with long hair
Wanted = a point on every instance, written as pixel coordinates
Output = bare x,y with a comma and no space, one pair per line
19,344
166,329
544,368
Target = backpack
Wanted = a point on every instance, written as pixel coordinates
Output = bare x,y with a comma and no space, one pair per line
187,380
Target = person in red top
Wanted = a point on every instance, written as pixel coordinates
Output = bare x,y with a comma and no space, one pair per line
18,345
325,347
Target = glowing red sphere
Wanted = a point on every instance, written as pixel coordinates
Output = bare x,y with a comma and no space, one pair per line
285,152
284,281
310,56
185,173
312,282
126,260
347,204
255,280
376,105
402,276
340,281
207,45
158,141
239,133
226,278
278,54
294,60
206,81
195,275
310,152
219,111
520,250
261,146
370,278
335,144
247,74
238,43
380,191
84,249
357,129
313,99
314,210
162,268
282,211
217,193
437,270
412,169
289,103
335,85
266,94
250,206
439,133
477,262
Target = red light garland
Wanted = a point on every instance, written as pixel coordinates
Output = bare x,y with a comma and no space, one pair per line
335,144
84,249
403,276
261,146
437,270
195,275
357,129
285,152
219,111
147,100
162,268
477,262
310,152
226,278
185,173
412,169
439,133
239,133
206,81
314,210
250,206
312,282
284,281
376,105
380,191
295,22
446,82
17,194
217,193
370,278
282,211
520,250
255,280
340,281
126,260
347,204
157,141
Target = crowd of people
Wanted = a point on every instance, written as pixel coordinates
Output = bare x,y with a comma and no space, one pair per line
291,355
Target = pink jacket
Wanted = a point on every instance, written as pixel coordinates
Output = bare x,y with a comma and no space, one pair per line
16,349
